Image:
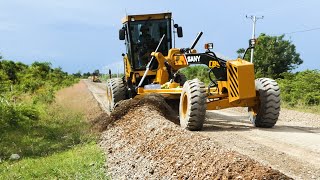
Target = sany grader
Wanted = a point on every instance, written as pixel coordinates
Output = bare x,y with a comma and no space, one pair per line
152,64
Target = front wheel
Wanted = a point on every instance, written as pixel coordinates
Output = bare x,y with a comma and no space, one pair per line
265,114
193,105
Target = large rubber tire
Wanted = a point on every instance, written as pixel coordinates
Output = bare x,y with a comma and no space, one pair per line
265,114
116,91
193,105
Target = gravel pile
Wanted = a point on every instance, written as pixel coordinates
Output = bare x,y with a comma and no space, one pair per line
140,142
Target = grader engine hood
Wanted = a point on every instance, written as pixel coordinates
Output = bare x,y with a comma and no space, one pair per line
240,75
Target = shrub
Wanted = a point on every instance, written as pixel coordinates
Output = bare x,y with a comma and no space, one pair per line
15,115
301,88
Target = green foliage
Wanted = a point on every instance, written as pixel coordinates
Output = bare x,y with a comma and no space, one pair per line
77,75
55,130
12,115
4,82
197,71
301,89
273,55
86,75
44,95
19,83
80,162
54,142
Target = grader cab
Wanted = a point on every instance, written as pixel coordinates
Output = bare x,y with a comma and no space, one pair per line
152,65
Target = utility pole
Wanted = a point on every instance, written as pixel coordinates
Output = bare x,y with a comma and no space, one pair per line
254,20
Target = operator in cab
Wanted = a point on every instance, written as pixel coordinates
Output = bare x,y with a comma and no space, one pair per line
146,46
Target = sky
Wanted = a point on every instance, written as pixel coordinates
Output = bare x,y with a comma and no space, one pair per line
81,35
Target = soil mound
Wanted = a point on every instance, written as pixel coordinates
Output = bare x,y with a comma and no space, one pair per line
141,143
123,107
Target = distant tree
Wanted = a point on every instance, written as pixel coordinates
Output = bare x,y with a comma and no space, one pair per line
77,75
41,69
273,56
86,75
10,69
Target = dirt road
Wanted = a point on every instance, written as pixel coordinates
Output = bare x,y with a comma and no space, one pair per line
292,146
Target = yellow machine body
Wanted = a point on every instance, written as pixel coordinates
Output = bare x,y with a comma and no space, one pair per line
152,64
236,91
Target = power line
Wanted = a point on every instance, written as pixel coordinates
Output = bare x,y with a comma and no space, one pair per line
301,31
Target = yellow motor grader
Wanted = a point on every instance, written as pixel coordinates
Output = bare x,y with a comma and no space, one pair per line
95,76
152,64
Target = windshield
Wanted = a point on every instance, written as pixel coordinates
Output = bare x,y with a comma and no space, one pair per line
145,36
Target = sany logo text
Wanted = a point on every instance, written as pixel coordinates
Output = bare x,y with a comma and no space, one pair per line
193,58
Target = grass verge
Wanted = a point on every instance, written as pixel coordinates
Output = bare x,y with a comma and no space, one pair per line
80,162
60,145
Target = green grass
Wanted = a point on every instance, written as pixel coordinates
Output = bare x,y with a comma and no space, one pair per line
79,162
60,145
57,130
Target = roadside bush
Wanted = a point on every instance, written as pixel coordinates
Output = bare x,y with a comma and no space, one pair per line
15,115
44,95
4,82
24,90
301,89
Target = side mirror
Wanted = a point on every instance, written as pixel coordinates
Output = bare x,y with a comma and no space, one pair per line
179,31
122,34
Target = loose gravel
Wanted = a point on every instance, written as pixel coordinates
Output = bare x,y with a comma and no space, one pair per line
142,141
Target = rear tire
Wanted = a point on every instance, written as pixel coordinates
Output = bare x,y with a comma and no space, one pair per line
266,113
193,105
116,91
